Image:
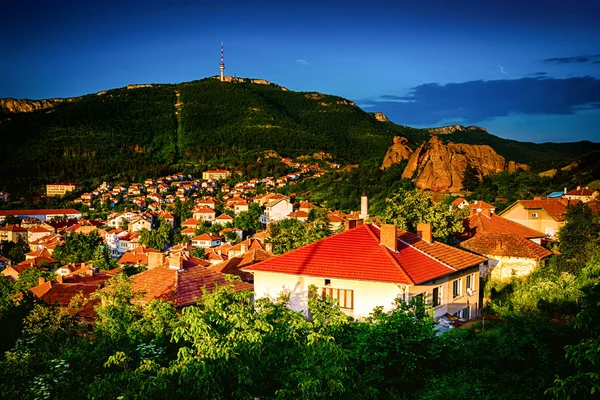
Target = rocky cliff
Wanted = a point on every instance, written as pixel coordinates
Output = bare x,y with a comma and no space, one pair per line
16,106
381,117
440,166
447,130
398,152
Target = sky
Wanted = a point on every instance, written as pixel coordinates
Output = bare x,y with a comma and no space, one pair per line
525,70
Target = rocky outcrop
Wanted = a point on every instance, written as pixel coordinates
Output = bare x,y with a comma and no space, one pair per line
381,117
398,152
513,166
139,85
17,106
448,130
249,80
440,166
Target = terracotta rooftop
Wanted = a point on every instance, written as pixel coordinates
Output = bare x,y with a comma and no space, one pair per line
580,192
52,211
356,254
234,265
139,255
204,210
182,287
481,204
298,214
556,208
479,223
458,201
190,221
505,245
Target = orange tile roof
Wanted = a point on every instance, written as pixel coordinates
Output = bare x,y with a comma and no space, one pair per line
206,236
480,204
458,201
190,221
480,223
139,255
356,254
182,287
580,192
204,210
298,214
505,245
234,265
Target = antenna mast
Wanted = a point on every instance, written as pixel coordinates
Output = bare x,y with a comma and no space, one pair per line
222,66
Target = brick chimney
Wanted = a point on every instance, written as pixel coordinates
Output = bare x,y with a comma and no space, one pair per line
388,236
155,260
349,225
424,231
41,280
176,262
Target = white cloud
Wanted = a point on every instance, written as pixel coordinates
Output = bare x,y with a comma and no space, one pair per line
303,62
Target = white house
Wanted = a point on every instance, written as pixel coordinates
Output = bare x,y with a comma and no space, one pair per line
368,266
276,210
206,241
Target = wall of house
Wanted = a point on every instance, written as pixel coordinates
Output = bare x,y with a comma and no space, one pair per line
451,304
543,223
504,268
367,295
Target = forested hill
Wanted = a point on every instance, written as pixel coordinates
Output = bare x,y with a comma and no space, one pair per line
146,131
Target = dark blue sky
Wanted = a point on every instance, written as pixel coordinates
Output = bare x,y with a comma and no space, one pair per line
525,70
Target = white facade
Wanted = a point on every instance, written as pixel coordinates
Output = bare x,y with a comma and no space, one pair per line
276,211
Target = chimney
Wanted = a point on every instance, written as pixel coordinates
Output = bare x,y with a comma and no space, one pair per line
364,207
351,224
424,232
565,190
41,280
388,236
578,187
537,197
59,279
176,262
155,260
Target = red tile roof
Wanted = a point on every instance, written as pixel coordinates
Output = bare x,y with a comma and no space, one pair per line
204,210
139,255
298,214
357,255
481,204
505,245
206,236
182,287
480,223
234,265
458,201
190,221
580,192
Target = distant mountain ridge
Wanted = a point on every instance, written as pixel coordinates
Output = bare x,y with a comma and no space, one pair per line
160,126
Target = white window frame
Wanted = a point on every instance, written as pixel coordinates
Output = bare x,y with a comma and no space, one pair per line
534,215
459,292
470,282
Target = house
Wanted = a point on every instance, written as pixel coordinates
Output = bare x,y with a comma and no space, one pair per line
245,246
61,188
13,233
223,219
36,233
217,174
4,196
235,265
48,242
459,203
206,241
180,279
481,222
300,215
371,266
481,206
207,202
189,232
136,256
204,214
305,206
546,216
509,254
137,224
276,210
584,194
190,223
42,214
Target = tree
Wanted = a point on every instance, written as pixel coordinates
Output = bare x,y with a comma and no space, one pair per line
11,220
17,252
157,238
408,208
578,238
471,178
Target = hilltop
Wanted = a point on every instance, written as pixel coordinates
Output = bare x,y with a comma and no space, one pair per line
149,129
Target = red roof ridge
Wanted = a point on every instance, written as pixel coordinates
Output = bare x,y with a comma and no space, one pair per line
429,255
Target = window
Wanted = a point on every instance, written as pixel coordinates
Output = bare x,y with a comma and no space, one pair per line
471,281
422,296
437,296
457,287
344,297
327,282
534,215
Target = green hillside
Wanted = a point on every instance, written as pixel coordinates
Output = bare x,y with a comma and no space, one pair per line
152,130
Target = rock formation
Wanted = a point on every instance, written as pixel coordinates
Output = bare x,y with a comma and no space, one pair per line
379,116
17,106
440,166
249,80
447,130
398,152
